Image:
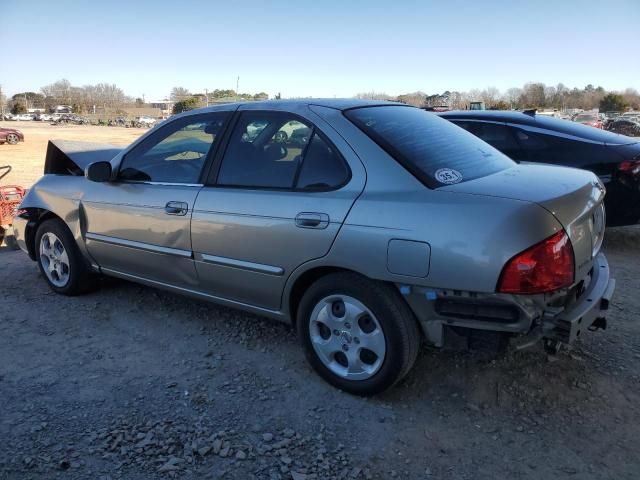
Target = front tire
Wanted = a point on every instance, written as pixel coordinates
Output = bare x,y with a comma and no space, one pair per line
358,334
12,139
60,260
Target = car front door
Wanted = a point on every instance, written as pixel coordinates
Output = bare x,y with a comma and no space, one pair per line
139,224
275,200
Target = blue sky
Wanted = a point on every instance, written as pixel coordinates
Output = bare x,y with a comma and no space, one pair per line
319,48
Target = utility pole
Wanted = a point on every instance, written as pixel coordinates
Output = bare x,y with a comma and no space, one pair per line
1,102
206,95
238,86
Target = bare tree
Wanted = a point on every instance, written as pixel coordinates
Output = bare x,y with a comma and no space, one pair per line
179,93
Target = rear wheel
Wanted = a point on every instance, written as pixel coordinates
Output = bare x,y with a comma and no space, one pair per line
60,260
12,139
359,335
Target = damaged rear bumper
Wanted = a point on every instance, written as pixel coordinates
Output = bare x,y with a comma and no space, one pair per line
528,319
589,312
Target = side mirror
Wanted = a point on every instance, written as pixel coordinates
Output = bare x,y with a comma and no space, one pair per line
98,172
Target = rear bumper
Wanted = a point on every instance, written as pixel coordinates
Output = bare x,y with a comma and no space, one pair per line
589,312
527,318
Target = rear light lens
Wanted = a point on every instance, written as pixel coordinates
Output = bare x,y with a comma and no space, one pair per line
545,267
630,167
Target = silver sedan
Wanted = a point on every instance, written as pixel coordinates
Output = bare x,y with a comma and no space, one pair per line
370,227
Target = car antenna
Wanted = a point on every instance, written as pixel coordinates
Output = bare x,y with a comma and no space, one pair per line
530,111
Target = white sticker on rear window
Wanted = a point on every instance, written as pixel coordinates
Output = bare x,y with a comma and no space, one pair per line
448,175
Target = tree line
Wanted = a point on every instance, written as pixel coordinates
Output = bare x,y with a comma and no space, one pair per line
109,96
185,100
531,95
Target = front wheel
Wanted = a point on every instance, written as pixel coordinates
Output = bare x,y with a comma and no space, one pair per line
60,260
12,139
359,335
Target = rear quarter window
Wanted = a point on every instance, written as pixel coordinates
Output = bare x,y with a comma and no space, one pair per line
434,150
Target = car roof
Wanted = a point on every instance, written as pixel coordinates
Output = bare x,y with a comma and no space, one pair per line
336,103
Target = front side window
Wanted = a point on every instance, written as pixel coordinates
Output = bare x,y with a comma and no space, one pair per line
277,150
434,150
177,153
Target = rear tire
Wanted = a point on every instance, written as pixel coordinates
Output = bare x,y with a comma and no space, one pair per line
60,260
12,139
358,334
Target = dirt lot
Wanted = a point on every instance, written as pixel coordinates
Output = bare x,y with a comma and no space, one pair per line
27,158
134,383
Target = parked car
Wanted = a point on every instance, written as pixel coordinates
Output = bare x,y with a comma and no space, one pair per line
23,117
10,136
590,119
388,227
70,119
143,121
528,137
7,117
625,126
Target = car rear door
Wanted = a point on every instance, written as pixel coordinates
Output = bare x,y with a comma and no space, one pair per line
139,224
273,203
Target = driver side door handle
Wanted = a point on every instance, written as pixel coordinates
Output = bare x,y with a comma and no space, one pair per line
176,208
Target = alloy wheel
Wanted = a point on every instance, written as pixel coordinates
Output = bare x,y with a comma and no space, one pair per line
54,259
347,337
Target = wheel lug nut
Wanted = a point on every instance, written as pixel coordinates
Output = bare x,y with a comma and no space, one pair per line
336,332
356,340
347,325
345,347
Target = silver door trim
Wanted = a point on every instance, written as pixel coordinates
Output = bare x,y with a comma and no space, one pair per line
244,265
149,247
164,184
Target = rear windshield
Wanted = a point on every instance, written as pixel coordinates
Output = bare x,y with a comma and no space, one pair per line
583,131
434,150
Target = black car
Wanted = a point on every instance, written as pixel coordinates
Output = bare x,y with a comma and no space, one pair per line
625,127
527,137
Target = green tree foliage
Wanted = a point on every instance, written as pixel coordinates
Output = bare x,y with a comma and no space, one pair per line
185,105
18,108
613,103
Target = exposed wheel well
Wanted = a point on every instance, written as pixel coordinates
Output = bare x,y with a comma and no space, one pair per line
36,217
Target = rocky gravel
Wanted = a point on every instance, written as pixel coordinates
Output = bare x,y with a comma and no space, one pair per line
129,382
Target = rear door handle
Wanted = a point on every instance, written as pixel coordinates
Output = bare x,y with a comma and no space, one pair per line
176,208
312,220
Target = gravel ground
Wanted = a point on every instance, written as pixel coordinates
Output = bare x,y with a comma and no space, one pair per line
135,383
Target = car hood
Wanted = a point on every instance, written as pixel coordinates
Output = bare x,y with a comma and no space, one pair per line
71,158
574,197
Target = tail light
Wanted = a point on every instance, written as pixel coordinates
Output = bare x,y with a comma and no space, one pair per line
630,167
545,267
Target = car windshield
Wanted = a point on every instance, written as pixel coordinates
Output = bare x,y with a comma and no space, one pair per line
434,150
586,118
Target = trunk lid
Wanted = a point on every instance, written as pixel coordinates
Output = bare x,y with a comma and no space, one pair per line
574,197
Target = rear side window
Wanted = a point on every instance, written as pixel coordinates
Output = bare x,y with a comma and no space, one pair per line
322,168
433,149
277,150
